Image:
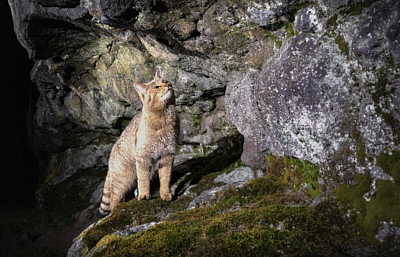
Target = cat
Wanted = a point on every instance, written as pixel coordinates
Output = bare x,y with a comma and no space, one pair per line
149,139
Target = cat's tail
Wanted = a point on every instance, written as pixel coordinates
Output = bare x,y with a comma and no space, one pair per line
105,207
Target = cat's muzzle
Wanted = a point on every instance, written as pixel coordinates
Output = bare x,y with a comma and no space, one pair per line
169,90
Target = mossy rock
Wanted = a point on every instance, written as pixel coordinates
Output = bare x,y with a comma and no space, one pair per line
297,174
369,213
249,221
268,216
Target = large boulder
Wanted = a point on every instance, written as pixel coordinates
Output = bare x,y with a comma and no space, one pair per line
327,96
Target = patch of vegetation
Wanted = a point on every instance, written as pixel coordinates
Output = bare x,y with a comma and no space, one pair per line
384,206
391,63
356,8
390,163
332,22
104,139
133,213
262,218
381,96
235,41
136,212
262,226
197,120
289,27
342,44
360,146
296,173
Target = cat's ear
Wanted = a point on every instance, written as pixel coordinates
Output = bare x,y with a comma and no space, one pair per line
140,89
156,75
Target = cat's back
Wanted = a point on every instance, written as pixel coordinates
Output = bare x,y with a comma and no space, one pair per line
126,143
132,127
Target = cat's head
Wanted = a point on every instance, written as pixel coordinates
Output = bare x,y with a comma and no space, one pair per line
156,94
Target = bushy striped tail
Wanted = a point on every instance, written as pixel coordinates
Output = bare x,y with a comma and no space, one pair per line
105,207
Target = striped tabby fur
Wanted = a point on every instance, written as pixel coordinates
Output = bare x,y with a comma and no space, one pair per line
149,139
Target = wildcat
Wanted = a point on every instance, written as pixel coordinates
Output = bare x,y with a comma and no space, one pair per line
149,139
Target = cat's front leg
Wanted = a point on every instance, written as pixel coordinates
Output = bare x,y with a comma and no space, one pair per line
164,172
144,167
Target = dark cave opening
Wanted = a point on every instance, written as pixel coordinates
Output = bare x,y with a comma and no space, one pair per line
18,165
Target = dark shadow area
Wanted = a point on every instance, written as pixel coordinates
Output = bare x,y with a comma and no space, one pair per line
18,96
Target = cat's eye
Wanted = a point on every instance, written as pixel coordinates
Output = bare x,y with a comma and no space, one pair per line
156,87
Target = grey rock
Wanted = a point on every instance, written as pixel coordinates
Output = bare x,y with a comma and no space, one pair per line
307,20
67,163
134,230
252,156
307,102
236,178
206,198
77,249
269,13
376,29
241,174
97,194
388,229
58,3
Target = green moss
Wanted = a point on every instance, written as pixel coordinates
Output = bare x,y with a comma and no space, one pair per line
342,44
391,63
136,212
104,139
353,194
332,22
197,120
356,8
360,147
235,41
296,172
279,43
104,241
390,163
129,213
384,206
261,229
289,27
380,87
259,219
381,96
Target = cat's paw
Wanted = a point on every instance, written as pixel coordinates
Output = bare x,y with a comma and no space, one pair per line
144,197
166,196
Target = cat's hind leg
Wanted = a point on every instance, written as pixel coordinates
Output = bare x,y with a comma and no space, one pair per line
123,184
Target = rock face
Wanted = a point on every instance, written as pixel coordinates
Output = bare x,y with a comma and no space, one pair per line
318,81
87,56
324,96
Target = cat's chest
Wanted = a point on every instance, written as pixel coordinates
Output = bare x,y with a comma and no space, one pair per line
155,132
155,143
